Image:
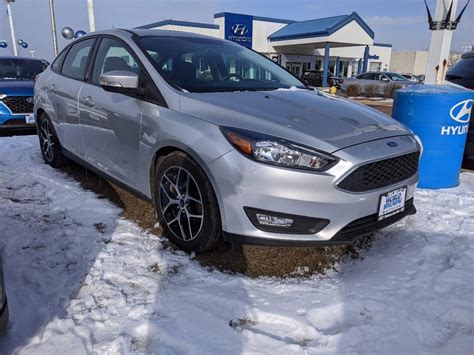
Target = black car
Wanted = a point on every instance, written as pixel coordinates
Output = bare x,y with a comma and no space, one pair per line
462,73
315,78
3,303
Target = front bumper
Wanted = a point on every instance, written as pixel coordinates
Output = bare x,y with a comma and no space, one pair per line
8,119
240,182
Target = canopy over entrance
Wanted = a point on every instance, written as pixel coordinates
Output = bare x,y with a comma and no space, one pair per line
305,37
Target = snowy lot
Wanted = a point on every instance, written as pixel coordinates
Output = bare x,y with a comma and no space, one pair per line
81,279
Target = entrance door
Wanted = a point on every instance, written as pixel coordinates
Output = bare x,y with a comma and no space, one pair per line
295,68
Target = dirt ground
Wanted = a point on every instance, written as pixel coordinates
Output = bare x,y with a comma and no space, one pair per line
253,261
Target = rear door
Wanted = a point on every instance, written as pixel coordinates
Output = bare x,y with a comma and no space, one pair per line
110,122
64,87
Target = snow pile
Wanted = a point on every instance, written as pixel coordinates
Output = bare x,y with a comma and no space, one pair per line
80,279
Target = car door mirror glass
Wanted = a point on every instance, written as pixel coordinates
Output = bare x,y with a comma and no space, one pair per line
119,81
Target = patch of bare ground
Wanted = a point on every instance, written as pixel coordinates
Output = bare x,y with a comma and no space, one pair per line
249,260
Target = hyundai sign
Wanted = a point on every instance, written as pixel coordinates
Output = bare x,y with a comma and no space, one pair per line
239,29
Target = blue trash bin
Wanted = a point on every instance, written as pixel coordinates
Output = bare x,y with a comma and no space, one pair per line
439,115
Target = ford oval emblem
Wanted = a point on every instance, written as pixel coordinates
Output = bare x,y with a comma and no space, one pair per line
392,144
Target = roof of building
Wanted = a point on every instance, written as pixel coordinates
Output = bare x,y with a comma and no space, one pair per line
179,23
256,18
318,27
383,45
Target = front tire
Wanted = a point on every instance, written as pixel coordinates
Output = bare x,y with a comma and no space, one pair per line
186,204
49,143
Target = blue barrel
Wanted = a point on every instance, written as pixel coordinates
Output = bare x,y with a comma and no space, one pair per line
439,115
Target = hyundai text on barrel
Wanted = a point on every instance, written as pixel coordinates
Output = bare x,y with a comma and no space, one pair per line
439,115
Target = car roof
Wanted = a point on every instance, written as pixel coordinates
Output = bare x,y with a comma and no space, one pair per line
149,32
468,55
21,58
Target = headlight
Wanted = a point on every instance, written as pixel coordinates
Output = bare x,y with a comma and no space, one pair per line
276,151
418,140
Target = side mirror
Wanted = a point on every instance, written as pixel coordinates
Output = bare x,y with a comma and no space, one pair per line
385,79
121,81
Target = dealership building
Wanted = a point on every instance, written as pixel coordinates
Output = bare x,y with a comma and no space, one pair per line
343,45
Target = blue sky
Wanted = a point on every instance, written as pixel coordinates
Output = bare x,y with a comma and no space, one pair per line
399,22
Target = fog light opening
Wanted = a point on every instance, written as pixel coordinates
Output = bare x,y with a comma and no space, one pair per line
278,222
274,221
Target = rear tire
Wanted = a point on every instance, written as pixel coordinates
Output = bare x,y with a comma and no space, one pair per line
186,204
49,143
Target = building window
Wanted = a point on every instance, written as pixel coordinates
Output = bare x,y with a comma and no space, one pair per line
375,66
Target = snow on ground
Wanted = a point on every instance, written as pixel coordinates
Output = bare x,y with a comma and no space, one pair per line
81,279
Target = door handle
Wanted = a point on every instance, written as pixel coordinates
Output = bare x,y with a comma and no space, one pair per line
88,101
53,89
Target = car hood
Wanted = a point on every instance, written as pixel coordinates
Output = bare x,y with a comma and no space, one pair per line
17,87
306,117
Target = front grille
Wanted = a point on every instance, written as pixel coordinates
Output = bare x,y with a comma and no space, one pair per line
381,174
19,104
370,224
15,122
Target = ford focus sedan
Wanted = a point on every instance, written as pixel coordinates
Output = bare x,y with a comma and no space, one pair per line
224,142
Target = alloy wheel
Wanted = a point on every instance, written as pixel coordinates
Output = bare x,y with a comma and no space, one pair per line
181,203
47,140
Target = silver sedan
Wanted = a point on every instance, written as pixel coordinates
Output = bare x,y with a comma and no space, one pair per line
223,141
379,80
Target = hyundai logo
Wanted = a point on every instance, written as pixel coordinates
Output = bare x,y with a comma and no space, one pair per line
30,100
462,111
240,29
392,144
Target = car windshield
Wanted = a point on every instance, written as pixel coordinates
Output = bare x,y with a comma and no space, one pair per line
208,65
20,69
395,77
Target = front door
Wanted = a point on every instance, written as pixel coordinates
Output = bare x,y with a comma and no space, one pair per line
110,122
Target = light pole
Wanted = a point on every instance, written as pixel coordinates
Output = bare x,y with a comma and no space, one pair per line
53,27
12,29
90,11
442,26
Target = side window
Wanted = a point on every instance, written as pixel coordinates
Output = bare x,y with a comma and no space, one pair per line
58,62
379,77
76,60
366,76
112,55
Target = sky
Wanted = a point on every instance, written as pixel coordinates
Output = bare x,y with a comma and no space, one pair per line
402,23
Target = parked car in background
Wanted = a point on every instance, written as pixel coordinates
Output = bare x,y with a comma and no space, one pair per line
16,91
462,73
315,78
3,302
421,77
412,77
247,153
380,80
